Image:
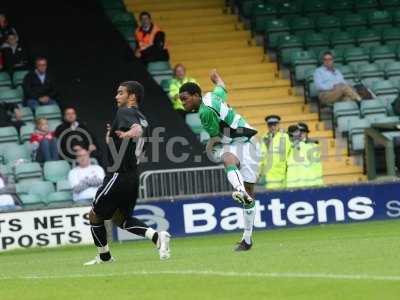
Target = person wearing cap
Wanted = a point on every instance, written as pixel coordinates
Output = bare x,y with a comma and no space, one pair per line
330,83
304,166
275,148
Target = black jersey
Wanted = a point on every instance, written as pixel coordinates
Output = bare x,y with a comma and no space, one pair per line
123,154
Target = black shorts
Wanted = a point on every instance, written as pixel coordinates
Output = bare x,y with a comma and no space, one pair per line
118,191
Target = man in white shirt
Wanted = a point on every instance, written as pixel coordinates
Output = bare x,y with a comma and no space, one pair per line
330,83
85,178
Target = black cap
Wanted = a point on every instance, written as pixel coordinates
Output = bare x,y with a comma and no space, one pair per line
292,129
303,127
271,119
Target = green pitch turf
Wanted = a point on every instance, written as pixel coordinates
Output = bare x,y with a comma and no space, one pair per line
358,261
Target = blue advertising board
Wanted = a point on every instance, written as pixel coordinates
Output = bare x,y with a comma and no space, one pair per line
279,209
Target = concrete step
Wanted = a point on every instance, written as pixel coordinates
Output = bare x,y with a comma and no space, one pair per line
222,54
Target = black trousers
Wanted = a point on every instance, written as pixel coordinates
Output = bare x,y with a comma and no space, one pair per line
118,191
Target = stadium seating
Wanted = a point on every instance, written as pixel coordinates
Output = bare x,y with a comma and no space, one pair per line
49,112
28,171
18,77
8,135
11,95
55,171
5,79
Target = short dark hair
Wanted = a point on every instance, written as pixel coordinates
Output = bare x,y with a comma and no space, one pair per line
40,58
134,87
144,13
327,53
191,88
69,107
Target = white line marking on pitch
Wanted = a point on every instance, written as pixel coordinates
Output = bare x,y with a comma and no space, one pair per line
213,273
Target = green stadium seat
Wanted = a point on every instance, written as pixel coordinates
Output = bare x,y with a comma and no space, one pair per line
348,73
343,123
50,112
8,135
382,55
391,36
12,95
110,5
315,7
274,29
386,119
41,189
165,83
287,45
6,170
365,5
301,61
390,3
59,198
123,18
316,41
396,17
345,108
300,25
31,200
63,186
160,70
356,56
53,124
289,8
387,91
18,77
354,22
28,171
373,106
379,19
392,71
193,121
26,132
369,73
14,152
56,170
246,7
356,134
368,38
311,89
5,79
342,39
26,112
328,23
262,13
339,7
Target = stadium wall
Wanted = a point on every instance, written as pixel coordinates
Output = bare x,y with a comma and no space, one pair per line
210,215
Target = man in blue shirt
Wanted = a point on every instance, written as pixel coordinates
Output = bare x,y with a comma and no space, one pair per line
330,83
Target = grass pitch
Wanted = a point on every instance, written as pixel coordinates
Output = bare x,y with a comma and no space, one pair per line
357,261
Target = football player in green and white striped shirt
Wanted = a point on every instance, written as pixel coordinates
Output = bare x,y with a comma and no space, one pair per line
232,142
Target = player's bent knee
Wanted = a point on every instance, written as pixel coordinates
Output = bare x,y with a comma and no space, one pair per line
95,219
118,218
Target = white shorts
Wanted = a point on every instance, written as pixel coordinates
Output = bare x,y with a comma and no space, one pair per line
248,153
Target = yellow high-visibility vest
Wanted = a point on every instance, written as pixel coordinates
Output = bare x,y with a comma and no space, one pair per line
274,151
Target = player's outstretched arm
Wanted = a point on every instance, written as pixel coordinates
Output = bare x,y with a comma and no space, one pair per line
216,78
136,131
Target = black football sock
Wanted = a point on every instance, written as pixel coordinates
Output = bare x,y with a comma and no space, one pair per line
135,226
99,234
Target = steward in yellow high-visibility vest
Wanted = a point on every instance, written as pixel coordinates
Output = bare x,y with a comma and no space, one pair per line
304,161
275,148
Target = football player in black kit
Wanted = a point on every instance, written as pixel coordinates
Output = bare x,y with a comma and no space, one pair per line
116,198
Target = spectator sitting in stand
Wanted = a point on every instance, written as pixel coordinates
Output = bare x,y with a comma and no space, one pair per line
39,86
6,199
75,130
15,56
5,29
176,82
44,142
85,178
6,111
330,83
150,40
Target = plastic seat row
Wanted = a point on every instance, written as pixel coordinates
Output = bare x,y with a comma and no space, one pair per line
16,80
326,23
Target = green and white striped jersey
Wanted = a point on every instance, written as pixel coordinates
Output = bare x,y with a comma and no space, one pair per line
219,119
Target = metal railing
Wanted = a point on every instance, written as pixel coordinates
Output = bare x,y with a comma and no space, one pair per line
183,182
